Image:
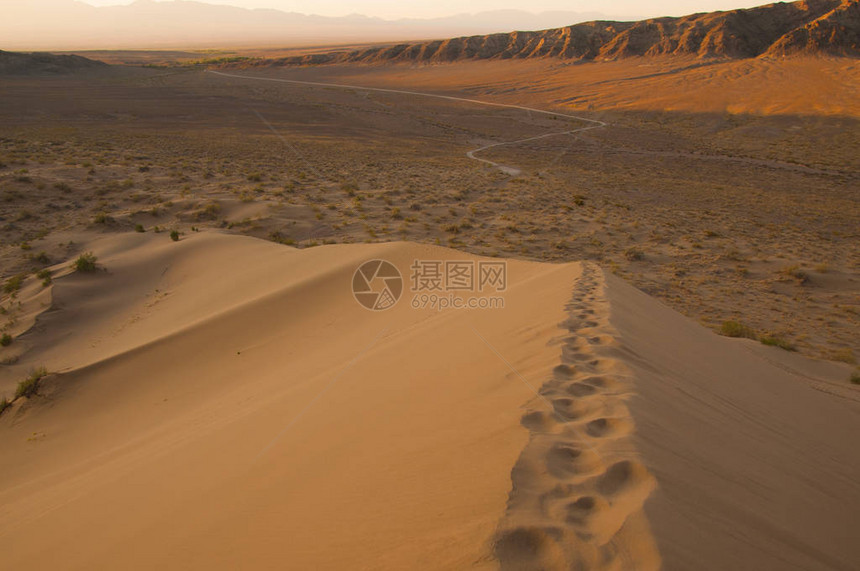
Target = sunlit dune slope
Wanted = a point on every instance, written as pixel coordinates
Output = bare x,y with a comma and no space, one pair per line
224,402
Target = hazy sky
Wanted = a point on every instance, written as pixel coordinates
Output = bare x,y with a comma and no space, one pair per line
427,9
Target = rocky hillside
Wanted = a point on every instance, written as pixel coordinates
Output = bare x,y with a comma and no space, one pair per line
810,27
12,63
836,32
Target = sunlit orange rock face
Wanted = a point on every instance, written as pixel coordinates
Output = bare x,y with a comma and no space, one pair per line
811,26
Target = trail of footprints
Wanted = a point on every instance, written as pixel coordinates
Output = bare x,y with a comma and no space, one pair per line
578,491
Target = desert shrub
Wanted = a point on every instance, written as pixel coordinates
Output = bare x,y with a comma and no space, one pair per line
209,212
776,341
42,258
174,235
634,255
139,228
736,329
86,262
63,186
13,284
796,273
281,239
5,340
349,188
845,355
101,218
855,377
45,276
30,386
734,256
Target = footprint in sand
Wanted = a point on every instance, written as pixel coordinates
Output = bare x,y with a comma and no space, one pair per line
601,382
581,389
539,421
566,460
573,355
572,409
608,427
585,510
564,372
625,477
530,548
600,340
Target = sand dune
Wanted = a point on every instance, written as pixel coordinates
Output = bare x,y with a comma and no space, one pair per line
268,421
188,428
751,448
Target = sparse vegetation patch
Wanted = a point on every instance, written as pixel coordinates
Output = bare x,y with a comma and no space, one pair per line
776,341
30,386
737,329
86,262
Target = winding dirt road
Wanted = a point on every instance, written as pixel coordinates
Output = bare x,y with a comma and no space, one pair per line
594,124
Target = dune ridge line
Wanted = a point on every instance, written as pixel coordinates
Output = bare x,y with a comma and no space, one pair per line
577,488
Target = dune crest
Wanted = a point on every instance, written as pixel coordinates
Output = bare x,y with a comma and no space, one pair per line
578,487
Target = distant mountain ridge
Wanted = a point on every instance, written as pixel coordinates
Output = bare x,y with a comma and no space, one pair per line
72,25
829,27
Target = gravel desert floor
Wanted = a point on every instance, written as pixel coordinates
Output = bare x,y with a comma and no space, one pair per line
728,207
